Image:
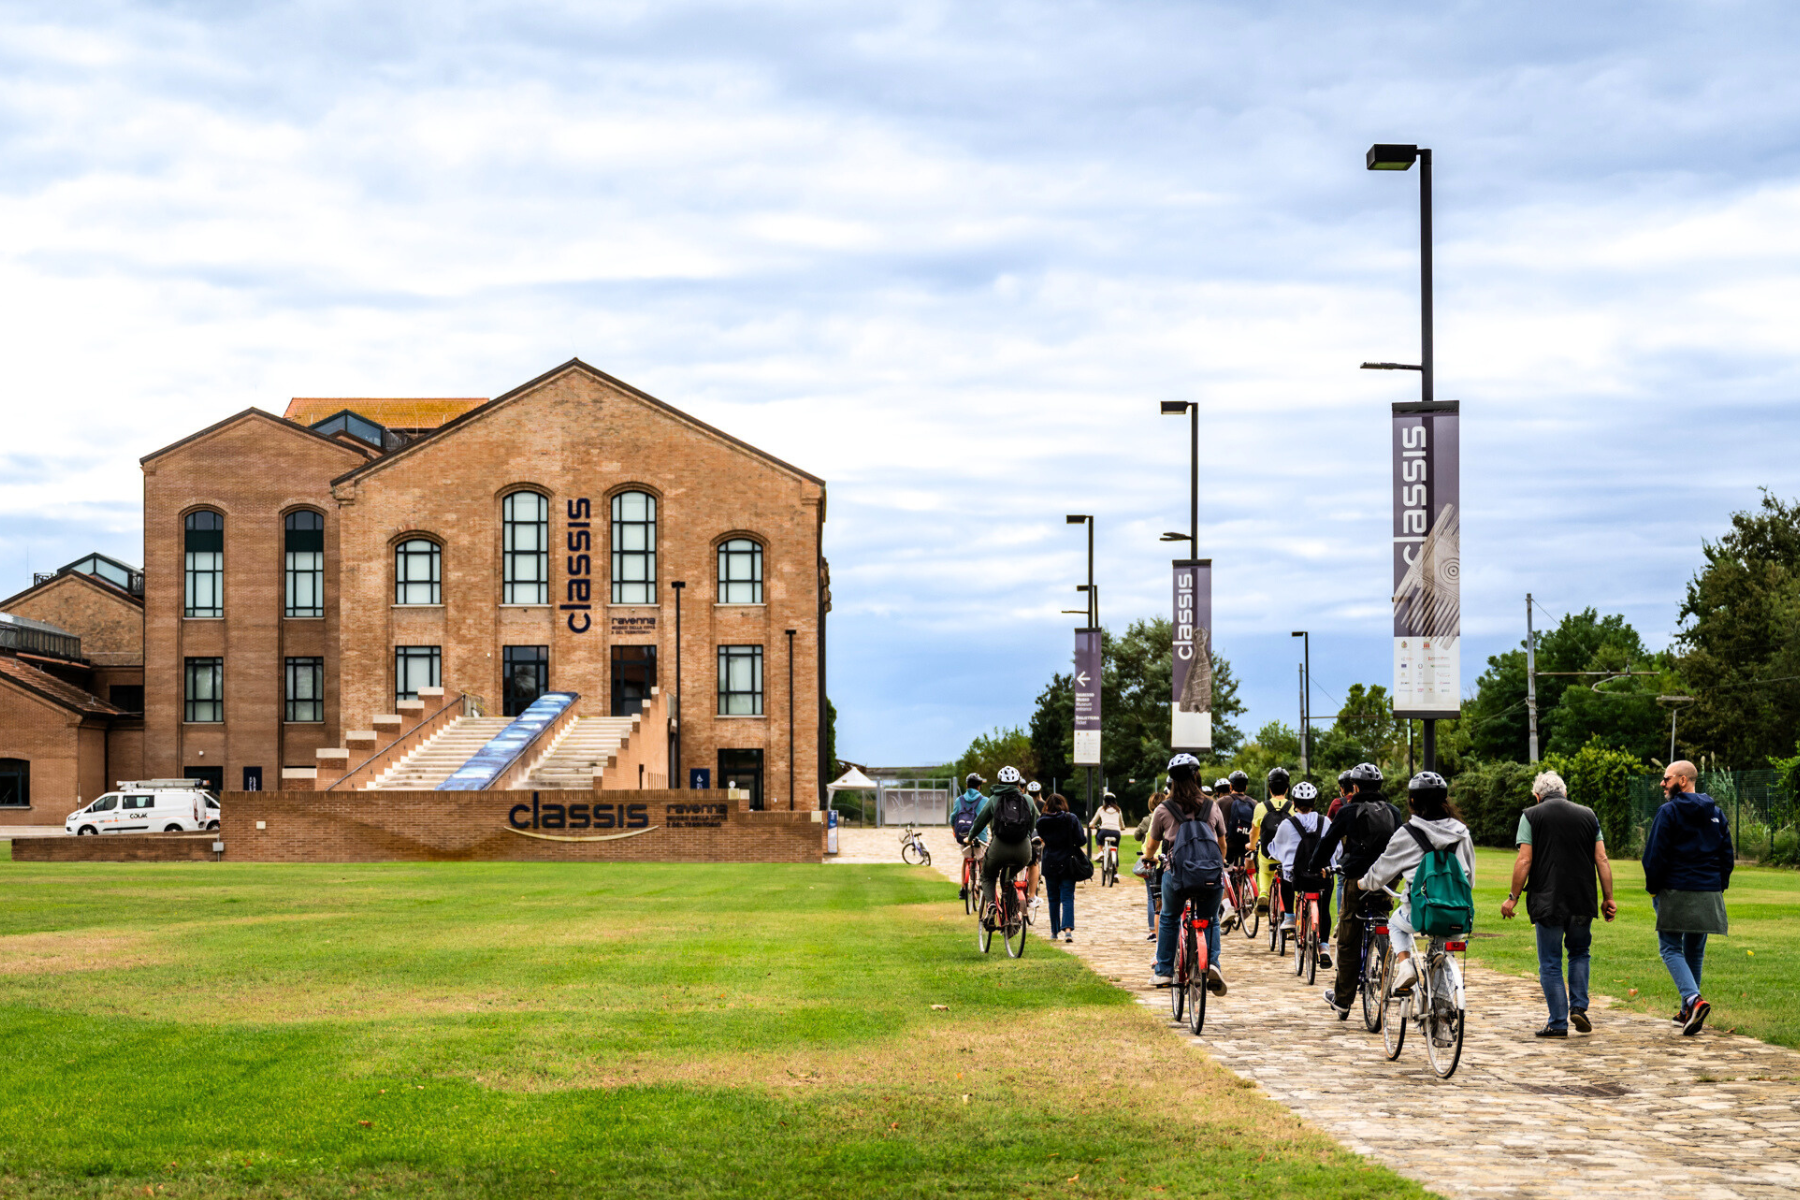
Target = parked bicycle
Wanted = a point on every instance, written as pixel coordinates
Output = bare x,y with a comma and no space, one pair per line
1189,988
1436,1004
1006,913
1241,883
912,848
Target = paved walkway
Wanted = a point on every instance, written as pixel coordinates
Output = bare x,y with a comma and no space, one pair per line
1631,1110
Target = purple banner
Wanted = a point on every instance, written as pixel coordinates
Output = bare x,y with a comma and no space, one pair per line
1190,653
1087,697
1427,564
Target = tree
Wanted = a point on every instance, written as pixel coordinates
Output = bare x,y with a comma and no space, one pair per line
1001,748
1365,731
1741,639
1276,744
1053,728
831,758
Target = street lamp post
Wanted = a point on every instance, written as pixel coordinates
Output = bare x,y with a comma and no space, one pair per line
678,585
1175,408
1385,157
1093,609
1305,637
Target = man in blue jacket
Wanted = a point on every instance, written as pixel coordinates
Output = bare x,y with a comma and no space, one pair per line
1687,867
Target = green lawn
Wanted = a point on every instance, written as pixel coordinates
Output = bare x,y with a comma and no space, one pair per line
1751,977
629,1030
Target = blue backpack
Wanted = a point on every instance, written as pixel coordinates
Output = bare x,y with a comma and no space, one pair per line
1195,860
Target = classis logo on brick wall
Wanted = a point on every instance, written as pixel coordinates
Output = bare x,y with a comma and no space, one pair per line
580,587
530,820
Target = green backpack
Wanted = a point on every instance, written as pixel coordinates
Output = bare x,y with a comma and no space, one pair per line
1443,903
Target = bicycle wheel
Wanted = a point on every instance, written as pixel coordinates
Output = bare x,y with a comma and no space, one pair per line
1300,931
971,888
1371,982
1196,987
1394,1012
1444,1026
910,853
984,929
1178,989
1276,945
1013,931
1312,957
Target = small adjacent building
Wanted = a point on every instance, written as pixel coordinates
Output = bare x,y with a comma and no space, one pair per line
308,571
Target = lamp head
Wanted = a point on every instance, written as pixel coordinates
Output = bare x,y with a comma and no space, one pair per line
1076,518
1383,157
1298,633
1175,408
1174,537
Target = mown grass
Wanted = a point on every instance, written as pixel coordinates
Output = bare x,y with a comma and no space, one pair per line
1751,978
644,1030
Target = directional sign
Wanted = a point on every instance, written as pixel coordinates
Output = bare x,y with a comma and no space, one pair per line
1087,697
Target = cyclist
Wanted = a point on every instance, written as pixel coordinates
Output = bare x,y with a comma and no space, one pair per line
1012,817
1363,827
1297,839
1145,868
1185,806
1109,822
1435,817
967,805
1346,792
1264,818
1240,818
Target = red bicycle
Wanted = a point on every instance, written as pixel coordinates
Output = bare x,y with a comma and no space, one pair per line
1277,910
1240,885
1306,932
1006,913
971,877
1189,988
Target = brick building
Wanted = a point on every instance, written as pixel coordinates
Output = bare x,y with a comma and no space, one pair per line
306,573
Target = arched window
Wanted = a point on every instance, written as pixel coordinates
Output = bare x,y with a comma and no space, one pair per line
204,542
305,540
634,548
740,571
525,520
418,572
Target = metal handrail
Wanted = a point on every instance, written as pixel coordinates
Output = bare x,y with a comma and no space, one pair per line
422,721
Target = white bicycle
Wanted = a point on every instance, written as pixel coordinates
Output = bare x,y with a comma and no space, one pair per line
1437,1003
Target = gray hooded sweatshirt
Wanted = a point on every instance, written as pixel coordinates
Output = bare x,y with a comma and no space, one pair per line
1403,852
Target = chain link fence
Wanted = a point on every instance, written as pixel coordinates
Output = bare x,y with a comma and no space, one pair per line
1759,806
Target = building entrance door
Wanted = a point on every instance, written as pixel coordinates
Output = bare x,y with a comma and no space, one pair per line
743,769
527,677
633,675
212,777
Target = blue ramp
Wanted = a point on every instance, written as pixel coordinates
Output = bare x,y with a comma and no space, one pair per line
486,764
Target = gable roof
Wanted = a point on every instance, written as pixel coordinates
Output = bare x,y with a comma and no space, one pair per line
574,364
248,414
106,586
42,683
395,412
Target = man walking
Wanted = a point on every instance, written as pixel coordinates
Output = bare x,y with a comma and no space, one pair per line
1687,867
1561,851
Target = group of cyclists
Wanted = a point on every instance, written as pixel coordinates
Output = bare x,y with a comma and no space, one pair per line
1231,861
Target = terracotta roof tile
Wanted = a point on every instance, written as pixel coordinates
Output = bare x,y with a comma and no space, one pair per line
393,412
48,685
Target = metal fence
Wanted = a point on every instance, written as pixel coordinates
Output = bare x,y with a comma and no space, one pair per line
1760,807
897,802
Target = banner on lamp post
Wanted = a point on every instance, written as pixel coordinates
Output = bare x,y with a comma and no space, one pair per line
1087,697
1427,567
1190,708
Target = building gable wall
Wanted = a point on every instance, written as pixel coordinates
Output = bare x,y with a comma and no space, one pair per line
110,625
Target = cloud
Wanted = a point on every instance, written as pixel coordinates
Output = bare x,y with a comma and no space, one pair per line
950,257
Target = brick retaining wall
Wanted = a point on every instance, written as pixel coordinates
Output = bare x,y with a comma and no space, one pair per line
117,847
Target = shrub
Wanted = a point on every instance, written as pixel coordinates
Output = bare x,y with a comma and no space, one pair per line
1490,797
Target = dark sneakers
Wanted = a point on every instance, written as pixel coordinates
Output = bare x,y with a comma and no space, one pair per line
1343,1013
1579,1019
1696,1017
1547,1032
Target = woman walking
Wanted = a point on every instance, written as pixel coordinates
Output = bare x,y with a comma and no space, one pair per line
1064,838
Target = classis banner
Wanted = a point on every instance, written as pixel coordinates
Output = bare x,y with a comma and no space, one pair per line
1427,568
1190,713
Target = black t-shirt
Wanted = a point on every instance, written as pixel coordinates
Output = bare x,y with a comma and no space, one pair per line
1561,882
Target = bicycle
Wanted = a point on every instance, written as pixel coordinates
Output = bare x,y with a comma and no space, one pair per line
1109,862
1277,911
971,876
1436,1002
912,848
1189,988
1241,881
1372,967
1005,912
1306,931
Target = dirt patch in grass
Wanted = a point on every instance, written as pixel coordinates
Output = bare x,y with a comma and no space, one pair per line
76,950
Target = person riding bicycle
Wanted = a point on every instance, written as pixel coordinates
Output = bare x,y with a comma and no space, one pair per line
1363,827
1437,819
1011,817
967,805
1240,819
1346,793
1293,848
1265,818
1109,822
1187,819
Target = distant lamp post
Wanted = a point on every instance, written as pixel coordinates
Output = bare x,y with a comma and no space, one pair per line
1305,698
1093,594
1176,408
675,780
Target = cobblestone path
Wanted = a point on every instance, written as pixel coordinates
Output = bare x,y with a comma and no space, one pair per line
1631,1110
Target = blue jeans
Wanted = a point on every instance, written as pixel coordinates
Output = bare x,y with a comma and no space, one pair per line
1062,903
1150,904
1578,936
1206,902
1684,954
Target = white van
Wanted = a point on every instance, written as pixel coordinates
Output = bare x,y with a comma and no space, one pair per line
149,807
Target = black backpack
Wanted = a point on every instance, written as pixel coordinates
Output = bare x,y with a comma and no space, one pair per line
1271,824
1372,825
1308,848
1013,821
1195,860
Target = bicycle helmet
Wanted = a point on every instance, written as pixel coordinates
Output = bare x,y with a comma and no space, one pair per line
1034,787
1429,786
1009,775
1221,784
1305,791
975,778
1238,781
1184,759
1205,790
1365,773
1346,783
1278,780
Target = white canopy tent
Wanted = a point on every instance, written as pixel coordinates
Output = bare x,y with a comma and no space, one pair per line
852,780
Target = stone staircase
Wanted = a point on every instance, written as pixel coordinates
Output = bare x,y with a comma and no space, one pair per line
432,763
583,748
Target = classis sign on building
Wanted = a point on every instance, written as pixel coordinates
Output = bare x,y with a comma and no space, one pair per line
1427,567
1190,654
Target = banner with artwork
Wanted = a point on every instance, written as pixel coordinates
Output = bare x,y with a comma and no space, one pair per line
1190,707
1427,567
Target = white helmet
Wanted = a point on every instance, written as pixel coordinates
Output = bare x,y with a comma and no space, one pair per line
1184,759
1034,787
1305,791
1009,775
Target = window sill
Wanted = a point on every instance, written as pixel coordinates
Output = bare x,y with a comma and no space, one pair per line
520,607
741,716
291,617
650,604
758,604
201,724
220,617
440,606
303,722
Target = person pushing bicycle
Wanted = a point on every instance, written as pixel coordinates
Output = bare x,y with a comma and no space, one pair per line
1011,818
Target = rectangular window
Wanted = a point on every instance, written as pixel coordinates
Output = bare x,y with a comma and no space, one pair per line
740,681
525,522
418,572
743,769
126,696
416,667
204,568
634,548
527,676
305,689
740,572
633,675
204,698
15,783
305,544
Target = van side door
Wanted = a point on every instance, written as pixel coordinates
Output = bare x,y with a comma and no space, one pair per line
136,811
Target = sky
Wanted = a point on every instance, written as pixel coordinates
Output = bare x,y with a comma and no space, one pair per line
950,258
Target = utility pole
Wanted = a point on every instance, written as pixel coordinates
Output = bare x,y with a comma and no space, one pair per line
1531,677
1302,673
